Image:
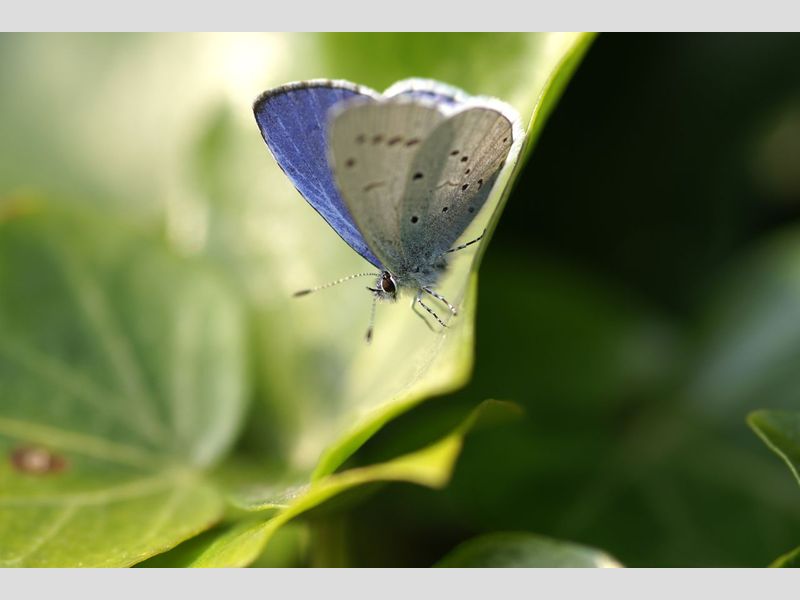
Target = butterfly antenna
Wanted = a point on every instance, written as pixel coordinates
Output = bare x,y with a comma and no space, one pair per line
332,283
371,320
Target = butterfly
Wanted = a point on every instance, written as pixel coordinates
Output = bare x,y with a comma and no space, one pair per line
399,175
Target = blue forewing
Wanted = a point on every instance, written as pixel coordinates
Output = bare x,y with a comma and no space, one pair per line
293,122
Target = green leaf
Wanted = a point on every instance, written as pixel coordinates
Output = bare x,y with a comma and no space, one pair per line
780,431
524,550
242,543
121,381
790,560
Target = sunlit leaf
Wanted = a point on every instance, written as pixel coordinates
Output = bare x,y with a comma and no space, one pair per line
121,379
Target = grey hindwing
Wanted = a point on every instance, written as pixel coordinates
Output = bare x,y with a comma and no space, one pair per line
372,146
450,178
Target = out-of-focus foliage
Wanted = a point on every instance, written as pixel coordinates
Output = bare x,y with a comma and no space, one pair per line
146,296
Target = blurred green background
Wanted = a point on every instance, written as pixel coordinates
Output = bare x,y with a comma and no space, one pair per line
640,296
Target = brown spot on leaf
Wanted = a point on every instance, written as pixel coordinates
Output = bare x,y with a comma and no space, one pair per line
37,460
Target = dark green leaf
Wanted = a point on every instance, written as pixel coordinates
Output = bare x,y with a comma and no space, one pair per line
524,550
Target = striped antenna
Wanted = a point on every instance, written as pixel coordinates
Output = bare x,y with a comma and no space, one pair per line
332,283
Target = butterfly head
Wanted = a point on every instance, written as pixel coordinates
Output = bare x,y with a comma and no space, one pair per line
386,287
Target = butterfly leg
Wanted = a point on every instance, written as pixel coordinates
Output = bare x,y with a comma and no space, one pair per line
420,315
441,299
419,301
462,246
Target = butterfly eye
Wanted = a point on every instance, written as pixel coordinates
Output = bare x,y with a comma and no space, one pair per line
387,283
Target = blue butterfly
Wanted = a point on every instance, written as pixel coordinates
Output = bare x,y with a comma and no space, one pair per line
399,175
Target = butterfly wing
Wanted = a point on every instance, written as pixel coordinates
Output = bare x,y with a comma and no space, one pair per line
428,89
293,121
460,159
373,145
